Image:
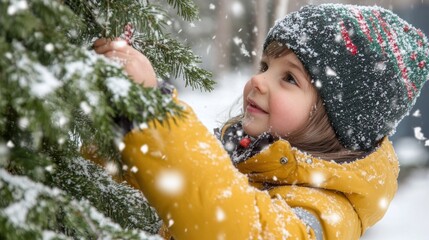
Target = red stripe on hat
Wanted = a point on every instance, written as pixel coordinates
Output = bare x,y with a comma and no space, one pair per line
379,37
362,23
349,44
397,52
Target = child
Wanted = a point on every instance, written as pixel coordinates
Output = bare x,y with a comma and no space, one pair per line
310,154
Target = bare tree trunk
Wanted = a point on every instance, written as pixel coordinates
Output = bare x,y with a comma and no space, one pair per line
260,30
281,8
223,37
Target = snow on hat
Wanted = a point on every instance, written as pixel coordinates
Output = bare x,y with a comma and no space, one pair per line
368,65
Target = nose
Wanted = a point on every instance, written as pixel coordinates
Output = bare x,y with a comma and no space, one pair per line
258,82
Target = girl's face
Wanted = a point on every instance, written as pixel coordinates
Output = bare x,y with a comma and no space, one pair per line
279,98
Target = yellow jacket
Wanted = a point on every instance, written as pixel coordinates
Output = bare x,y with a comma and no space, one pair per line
185,173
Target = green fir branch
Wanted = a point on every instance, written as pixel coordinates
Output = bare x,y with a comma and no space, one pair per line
175,61
56,95
27,207
186,9
123,204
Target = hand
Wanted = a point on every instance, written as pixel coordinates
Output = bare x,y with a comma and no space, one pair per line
136,65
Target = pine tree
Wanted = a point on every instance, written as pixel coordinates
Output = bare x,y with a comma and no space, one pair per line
57,96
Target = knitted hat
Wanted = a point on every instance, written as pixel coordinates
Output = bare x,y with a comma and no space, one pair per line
368,65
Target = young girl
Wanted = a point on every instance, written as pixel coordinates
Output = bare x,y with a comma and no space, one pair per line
309,157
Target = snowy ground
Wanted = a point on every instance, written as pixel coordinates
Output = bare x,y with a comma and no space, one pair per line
405,219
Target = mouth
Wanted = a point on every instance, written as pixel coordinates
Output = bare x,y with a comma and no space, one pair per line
254,108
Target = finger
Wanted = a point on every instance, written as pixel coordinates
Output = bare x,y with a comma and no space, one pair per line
99,42
112,46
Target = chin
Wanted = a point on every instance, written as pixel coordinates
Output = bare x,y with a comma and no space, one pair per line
251,131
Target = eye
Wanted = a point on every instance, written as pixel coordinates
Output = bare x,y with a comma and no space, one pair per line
290,79
263,66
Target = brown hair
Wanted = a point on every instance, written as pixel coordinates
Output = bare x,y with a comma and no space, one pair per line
317,137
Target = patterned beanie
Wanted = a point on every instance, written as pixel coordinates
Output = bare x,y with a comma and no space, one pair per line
368,65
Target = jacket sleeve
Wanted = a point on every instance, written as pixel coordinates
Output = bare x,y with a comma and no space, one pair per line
185,173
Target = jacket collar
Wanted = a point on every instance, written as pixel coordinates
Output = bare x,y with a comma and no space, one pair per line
281,163
369,183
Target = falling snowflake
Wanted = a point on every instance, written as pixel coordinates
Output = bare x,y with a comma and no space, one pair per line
383,203
144,148
170,222
49,47
317,179
330,72
84,106
212,6
237,40
49,168
10,144
237,8
112,168
23,123
380,66
417,113
229,146
170,182
220,214
121,146
134,169
17,6
418,133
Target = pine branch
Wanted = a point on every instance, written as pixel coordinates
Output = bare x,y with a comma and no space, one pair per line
149,21
31,209
174,59
56,94
185,8
126,206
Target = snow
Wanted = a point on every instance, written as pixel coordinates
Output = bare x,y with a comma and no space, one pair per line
144,148
10,144
317,178
220,214
47,83
119,87
84,106
417,113
332,218
17,211
170,182
112,168
406,217
237,9
49,47
17,6
418,133
330,72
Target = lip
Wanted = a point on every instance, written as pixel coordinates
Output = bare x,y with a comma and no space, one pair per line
252,107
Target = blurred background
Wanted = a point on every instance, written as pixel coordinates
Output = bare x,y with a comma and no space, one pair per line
229,38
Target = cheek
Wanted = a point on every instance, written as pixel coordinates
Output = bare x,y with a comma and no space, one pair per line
288,116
